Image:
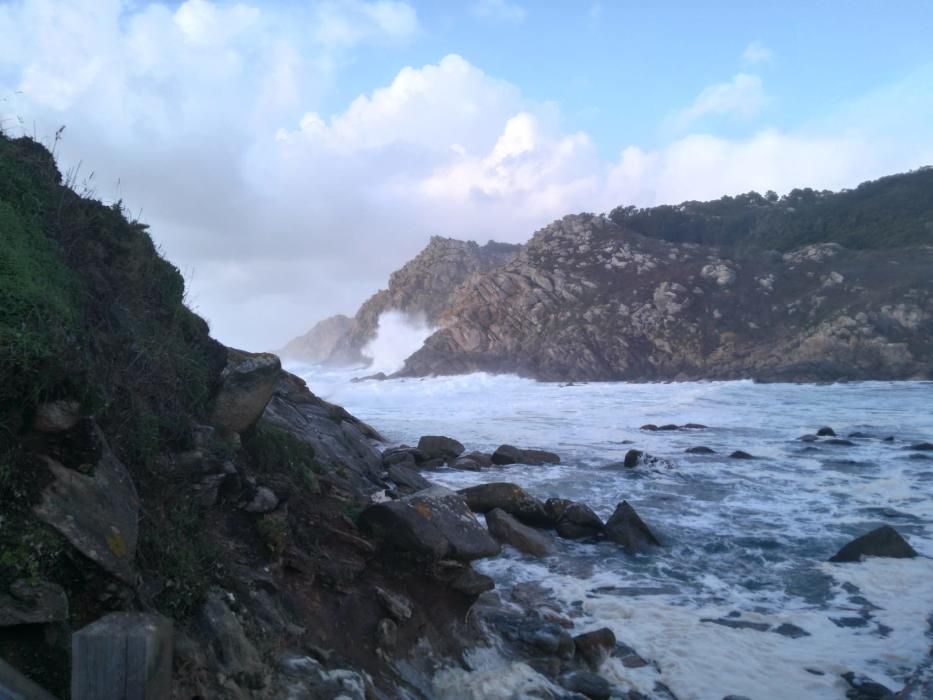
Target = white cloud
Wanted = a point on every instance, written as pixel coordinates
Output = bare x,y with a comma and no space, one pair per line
742,97
499,11
280,213
756,53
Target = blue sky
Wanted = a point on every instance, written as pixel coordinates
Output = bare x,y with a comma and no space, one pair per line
289,155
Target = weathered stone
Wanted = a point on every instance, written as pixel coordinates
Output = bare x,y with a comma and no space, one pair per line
741,454
538,457
435,523
122,655
589,684
509,497
628,529
408,478
97,513
573,520
922,446
227,639
248,382
56,416
404,456
397,605
439,447
884,541
595,646
826,432
700,450
472,583
508,530
33,602
386,634
263,501
632,457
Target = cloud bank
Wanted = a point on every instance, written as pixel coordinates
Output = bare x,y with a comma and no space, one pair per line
206,118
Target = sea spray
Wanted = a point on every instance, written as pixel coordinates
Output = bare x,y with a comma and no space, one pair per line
398,335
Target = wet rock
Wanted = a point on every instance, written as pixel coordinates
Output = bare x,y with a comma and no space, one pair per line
508,530
922,447
787,629
669,427
408,478
650,427
397,605
248,382
826,432
808,438
700,450
695,426
632,457
263,501
97,513
859,435
306,679
884,541
33,603
434,523
440,447
628,656
509,497
889,438
863,688
481,458
405,456
595,646
433,463
839,442
737,624
573,520
56,416
741,454
472,583
627,529
507,454
589,684
538,457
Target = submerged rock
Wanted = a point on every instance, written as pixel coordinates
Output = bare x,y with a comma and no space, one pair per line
435,523
741,454
595,646
884,541
526,539
922,446
700,450
628,529
826,432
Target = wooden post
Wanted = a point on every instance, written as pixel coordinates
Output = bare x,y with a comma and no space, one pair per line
123,656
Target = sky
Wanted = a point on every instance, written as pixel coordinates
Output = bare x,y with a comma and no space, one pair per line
288,156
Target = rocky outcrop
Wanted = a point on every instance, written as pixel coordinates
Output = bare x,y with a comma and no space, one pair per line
884,541
315,346
248,381
627,528
422,288
588,300
510,498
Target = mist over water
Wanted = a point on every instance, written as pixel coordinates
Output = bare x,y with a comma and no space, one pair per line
744,541
398,336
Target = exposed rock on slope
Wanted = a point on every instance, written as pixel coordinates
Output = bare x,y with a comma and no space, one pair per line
316,345
421,288
588,300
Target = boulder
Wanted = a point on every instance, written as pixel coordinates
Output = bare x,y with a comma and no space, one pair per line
595,646
481,458
585,683
632,457
700,450
400,455
397,605
573,520
407,478
526,539
922,446
509,497
466,464
507,454
884,541
263,501
537,457
651,427
741,454
33,603
434,523
98,513
439,447
247,383
826,432
56,416
627,529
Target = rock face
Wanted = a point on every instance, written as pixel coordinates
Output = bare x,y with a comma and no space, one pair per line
884,541
434,523
318,344
421,288
588,300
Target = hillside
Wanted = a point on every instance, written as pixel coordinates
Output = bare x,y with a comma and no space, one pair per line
589,300
145,467
891,212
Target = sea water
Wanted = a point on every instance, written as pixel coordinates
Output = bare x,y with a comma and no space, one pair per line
745,541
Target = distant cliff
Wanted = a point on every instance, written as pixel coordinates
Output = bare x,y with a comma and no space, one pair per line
422,287
587,299
316,345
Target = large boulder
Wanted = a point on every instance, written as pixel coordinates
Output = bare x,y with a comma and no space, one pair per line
247,383
509,454
628,529
407,478
439,447
526,539
595,646
434,523
509,497
98,513
573,520
884,541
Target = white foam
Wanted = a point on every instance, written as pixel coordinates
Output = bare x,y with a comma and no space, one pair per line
398,335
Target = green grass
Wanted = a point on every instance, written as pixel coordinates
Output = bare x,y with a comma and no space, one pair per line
273,451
